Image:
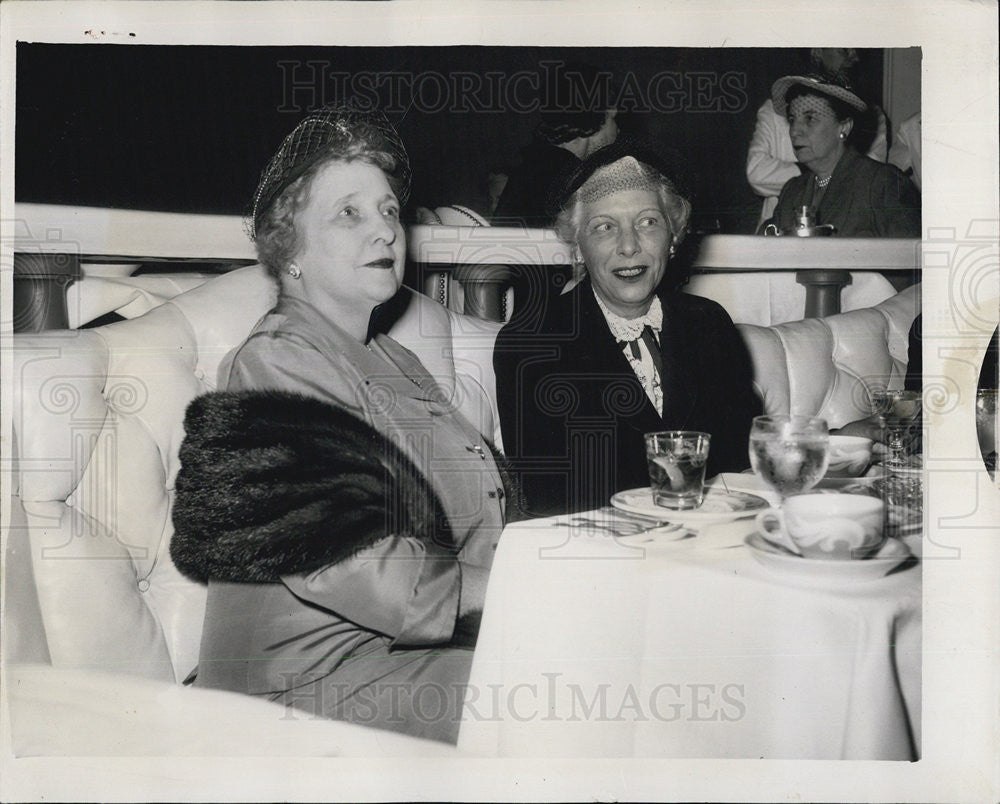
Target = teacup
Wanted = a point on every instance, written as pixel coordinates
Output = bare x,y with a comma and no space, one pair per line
839,526
849,456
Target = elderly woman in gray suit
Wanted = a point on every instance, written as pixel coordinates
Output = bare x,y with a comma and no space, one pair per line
343,515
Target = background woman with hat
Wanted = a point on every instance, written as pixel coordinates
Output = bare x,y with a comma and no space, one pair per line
857,195
343,514
770,159
620,354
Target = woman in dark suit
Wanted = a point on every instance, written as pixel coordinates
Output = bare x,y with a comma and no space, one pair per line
580,381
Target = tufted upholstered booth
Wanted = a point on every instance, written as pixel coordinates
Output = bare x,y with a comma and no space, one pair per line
98,422
827,366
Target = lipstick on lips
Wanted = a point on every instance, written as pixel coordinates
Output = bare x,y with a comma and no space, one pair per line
630,272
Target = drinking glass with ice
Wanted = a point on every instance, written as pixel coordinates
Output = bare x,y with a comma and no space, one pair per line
676,460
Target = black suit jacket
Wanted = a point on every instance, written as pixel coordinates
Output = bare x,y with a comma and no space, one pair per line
573,413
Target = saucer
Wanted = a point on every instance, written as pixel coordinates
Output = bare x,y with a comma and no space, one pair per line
827,570
718,506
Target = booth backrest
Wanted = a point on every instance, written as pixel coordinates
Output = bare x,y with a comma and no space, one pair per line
828,366
766,298
98,423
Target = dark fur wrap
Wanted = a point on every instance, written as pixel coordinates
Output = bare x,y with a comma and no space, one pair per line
273,482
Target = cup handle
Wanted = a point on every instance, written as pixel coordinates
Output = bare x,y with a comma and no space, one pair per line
771,524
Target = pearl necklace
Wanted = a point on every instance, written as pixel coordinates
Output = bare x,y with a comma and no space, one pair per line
823,182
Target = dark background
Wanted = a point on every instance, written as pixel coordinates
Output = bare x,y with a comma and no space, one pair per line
188,129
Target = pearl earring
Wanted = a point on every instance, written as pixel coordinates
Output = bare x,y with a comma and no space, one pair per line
842,135
294,271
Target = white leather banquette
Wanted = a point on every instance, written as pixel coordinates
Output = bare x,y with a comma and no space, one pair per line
98,422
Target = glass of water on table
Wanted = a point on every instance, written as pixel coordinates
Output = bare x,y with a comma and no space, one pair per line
790,453
676,460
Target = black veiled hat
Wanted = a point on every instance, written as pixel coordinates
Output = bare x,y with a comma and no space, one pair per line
666,162
330,132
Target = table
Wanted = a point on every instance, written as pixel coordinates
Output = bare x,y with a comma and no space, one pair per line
593,647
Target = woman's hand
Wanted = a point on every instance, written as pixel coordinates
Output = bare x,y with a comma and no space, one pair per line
869,427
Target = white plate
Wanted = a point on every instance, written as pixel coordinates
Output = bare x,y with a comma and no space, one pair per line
718,506
749,482
873,474
827,570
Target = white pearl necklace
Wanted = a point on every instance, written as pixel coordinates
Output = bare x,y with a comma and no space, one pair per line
823,182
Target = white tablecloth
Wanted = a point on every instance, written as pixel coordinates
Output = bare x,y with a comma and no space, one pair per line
687,648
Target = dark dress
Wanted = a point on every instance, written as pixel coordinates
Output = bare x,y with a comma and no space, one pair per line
865,198
573,414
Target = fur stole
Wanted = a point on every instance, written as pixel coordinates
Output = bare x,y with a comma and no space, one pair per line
273,482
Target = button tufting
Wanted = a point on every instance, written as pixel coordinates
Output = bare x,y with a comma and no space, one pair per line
144,585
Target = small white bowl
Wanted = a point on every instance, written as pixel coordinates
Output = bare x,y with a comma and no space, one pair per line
849,456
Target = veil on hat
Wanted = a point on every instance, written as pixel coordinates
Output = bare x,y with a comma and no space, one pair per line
335,129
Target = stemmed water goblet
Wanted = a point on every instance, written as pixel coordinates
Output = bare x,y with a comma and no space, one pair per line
790,453
898,412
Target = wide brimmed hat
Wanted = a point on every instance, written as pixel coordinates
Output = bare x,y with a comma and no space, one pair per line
840,90
666,163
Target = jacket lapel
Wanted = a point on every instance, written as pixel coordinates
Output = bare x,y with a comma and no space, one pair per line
679,386
599,351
